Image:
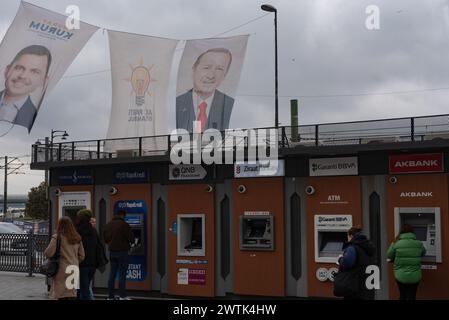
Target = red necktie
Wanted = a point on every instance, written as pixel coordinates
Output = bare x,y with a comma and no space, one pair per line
202,116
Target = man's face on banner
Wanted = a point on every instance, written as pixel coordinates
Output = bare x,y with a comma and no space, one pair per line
210,72
25,75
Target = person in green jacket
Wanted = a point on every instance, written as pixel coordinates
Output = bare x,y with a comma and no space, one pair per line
406,253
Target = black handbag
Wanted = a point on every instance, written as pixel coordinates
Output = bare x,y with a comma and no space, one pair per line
347,283
51,265
100,254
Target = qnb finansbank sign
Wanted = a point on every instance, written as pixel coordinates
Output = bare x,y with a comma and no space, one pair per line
228,147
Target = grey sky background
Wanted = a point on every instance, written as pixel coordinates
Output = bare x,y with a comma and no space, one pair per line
324,49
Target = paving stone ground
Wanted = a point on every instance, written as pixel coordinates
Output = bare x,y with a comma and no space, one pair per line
18,286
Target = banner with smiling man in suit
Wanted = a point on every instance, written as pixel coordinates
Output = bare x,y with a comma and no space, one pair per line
34,54
208,78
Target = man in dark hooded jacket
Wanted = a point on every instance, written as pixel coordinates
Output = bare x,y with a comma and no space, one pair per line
358,254
89,238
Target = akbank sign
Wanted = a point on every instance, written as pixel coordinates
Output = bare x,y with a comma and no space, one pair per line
347,166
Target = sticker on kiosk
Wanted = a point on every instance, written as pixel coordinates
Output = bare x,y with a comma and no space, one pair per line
191,276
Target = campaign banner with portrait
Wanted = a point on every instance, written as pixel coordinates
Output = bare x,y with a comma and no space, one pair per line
140,78
208,77
34,54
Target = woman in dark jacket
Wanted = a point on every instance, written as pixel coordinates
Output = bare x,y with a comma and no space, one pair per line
358,253
89,238
406,253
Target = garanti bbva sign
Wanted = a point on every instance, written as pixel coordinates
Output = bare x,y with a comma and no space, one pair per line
347,166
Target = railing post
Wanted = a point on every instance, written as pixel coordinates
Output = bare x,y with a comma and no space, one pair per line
35,147
98,149
30,252
412,129
317,135
140,146
283,137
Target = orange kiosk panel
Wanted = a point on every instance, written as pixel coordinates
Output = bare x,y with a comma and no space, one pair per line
191,245
422,192
259,272
334,200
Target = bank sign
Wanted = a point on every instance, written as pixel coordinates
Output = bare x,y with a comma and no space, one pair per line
75,177
268,168
347,166
131,176
186,172
416,163
333,221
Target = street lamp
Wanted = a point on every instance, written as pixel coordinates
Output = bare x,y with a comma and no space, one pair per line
270,8
55,134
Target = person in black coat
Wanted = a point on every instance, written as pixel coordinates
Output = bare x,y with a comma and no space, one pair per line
89,237
358,254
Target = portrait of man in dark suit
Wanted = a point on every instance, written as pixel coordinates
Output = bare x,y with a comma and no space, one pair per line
27,72
204,102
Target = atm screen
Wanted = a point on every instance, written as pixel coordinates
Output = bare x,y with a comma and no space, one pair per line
333,246
420,232
257,227
332,242
197,234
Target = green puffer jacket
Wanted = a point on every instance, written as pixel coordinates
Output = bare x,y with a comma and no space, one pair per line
406,254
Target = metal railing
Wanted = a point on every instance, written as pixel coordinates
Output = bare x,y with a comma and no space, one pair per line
328,134
22,252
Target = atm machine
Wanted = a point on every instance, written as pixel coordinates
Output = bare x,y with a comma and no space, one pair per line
135,221
191,231
256,232
330,236
426,223
136,217
71,202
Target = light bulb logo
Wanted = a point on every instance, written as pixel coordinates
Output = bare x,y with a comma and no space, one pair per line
140,82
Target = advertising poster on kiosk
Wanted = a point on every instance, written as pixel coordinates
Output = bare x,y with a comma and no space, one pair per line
34,54
136,217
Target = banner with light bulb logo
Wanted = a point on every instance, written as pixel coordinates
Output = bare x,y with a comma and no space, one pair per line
140,79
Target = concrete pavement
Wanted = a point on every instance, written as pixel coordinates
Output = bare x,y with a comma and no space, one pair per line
18,286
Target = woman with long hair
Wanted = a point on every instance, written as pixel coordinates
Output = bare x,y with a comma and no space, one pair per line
406,253
71,254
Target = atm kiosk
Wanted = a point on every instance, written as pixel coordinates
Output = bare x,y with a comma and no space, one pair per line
71,202
330,235
191,231
256,232
426,223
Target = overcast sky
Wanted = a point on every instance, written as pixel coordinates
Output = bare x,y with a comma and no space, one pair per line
324,49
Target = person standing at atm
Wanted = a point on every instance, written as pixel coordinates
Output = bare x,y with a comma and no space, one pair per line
90,240
406,253
358,253
118,236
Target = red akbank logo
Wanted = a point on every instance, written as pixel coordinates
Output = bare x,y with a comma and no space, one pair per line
417,163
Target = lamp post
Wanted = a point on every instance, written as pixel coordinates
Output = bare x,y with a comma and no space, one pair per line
54,134
270,8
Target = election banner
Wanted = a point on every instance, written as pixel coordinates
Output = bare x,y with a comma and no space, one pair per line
208,77
140,78
34,54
